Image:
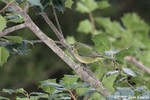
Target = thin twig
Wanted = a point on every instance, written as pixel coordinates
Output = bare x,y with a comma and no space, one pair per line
49,22
39,41
11,29
138,64
8,4
56,31
72,95
56,18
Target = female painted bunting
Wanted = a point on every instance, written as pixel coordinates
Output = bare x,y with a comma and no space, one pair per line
85,54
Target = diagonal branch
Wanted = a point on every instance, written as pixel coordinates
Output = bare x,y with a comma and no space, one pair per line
138,64
95,83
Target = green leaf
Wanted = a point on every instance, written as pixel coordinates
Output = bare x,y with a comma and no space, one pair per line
68,3
141,89
103,4
16,39
14,17
125,91
114,96
2,23
134,23
109,82
49,86
101,42
129,72
39,94
20,90
21,98
4,54
70,39
96,96
82,8
18,48
144,96
123,53
70,81
83,91
36,3
9,91
86,6
112,27
111,73
85,26
4,98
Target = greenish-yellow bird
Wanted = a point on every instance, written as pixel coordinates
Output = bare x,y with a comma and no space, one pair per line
85,54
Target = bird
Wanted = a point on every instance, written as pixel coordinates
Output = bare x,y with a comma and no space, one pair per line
85,53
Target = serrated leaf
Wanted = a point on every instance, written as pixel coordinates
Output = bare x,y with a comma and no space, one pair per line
16,39
85,26
101,42
82,8
134,23
125,91
2,23
70,81
103,4
68,3
111,27
86,6
129,72
123,53
4,54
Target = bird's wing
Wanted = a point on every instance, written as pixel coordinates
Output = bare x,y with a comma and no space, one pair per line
88,51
